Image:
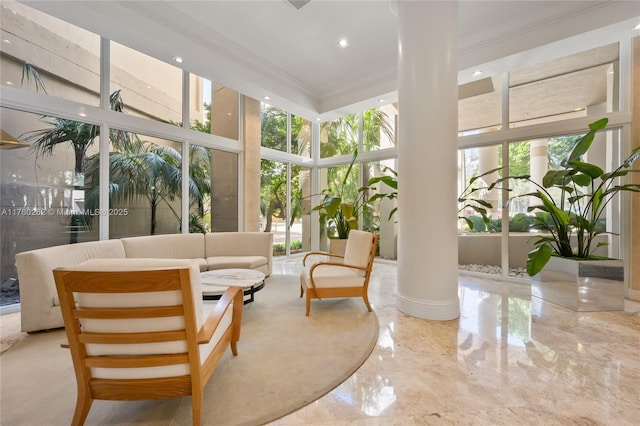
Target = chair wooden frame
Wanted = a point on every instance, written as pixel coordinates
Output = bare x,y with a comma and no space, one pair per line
314,292
70,281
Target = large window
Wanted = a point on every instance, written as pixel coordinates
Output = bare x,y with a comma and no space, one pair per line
479,209
300,136
44,54
150,88
145,185
273,125
574,86
340,136
379,127
480,105
42,183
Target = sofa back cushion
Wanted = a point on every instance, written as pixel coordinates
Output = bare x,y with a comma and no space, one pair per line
37,265
238,244
170,246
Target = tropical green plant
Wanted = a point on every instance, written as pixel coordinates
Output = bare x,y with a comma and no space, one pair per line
339,210
469,198
584,191
391,180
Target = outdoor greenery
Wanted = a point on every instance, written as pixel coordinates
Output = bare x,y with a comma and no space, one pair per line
584,191
138,170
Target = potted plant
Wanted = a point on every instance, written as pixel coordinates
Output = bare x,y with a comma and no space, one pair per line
571,229
339,212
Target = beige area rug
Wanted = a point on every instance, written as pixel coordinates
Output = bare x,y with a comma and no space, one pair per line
285,361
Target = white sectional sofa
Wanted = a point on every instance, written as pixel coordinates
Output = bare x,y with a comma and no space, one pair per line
39,306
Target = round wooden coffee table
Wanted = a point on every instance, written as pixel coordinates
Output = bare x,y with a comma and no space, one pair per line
215,283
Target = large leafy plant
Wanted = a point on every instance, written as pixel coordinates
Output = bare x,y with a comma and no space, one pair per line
584,190
337,210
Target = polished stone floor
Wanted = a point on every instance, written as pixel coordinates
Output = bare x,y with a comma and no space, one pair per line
508,360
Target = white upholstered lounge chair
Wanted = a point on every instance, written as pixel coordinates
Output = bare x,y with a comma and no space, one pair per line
340,276
140,332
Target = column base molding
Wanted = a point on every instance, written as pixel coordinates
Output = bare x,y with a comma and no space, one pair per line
437,310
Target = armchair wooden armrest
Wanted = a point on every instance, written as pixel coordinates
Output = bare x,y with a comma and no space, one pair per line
232,294
319,253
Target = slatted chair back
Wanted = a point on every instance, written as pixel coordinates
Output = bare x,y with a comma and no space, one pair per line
133,335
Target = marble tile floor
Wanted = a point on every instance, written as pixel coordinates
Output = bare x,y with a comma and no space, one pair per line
509,359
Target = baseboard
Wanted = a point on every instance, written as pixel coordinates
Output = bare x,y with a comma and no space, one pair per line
633,295
437,310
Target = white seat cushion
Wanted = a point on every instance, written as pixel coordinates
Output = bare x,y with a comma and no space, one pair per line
331,276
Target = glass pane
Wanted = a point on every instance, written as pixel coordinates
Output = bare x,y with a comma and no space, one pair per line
535,158
42,192
574,86
273,196
273,124
339,137
299,229
479,211
300,136
224,112
378,216
224,191
42,53
145,185
200,159
149,87
199,104
379,127
480,106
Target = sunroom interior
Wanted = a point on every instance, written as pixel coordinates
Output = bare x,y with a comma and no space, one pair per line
260,153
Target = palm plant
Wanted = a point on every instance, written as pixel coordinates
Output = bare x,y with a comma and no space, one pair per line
77,134
143,170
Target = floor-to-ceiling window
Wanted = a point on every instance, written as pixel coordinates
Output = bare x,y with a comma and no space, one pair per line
53,131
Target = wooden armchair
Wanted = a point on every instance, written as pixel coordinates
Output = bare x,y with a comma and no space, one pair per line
139,333
346,276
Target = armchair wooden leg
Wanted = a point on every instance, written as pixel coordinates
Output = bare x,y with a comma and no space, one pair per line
366,302
308,304
83,405
196,407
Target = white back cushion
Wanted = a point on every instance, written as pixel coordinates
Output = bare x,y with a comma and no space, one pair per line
358,249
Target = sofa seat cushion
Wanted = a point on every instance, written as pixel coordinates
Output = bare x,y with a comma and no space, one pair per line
228,262
330,276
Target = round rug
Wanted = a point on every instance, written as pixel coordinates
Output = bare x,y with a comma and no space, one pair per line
285,361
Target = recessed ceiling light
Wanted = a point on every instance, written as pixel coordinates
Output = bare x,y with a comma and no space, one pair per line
266,97
318,119
476,73
380,100
637,27
178,59
343,43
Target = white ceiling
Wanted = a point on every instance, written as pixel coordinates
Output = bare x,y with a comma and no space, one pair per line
270,48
